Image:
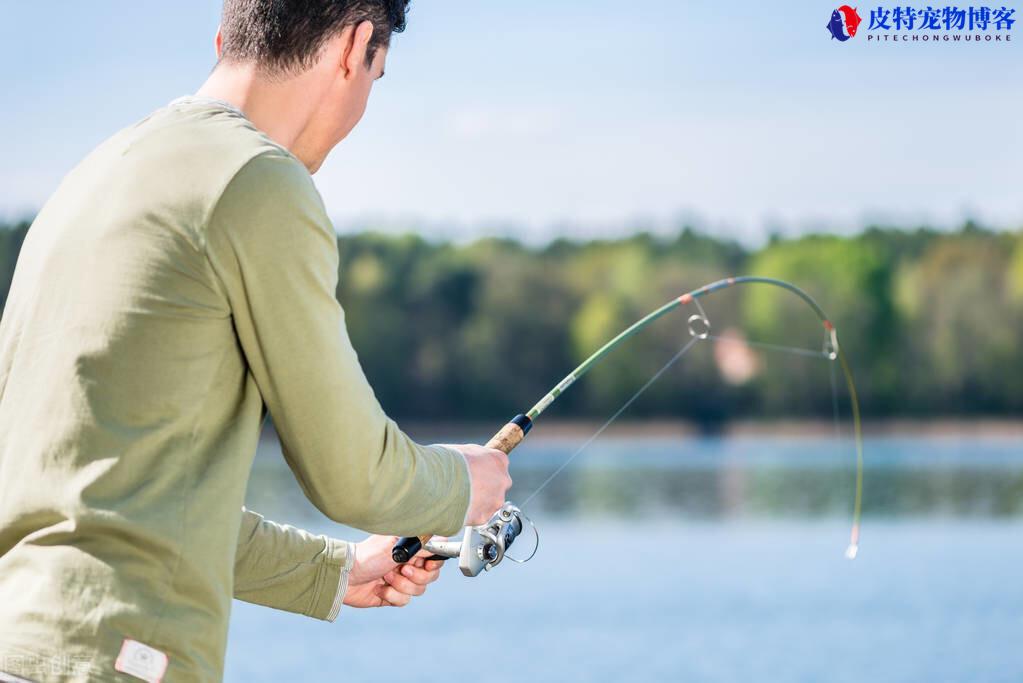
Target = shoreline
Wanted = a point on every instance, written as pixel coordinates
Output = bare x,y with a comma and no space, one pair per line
575,429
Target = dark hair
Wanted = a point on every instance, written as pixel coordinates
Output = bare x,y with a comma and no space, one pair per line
285,36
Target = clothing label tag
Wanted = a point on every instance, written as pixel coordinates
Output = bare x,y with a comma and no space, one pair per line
141,661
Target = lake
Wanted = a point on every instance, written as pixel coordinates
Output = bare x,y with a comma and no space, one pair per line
699,558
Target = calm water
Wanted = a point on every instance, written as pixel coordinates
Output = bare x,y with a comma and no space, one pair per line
700,559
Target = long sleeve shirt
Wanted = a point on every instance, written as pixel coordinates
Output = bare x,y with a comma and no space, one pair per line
179,284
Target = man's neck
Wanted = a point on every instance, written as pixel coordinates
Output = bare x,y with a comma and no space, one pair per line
281,109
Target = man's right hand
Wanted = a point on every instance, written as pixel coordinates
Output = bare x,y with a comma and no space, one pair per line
488,472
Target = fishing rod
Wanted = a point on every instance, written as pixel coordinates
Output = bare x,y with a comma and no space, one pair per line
483,547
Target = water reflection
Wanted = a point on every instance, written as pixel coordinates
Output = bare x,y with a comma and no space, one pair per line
721,478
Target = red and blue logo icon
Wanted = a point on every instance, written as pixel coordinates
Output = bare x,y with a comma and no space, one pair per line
844,22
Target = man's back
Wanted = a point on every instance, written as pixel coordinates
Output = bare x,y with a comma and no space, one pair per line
124,403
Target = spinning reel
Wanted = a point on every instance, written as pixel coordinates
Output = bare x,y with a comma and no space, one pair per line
481,548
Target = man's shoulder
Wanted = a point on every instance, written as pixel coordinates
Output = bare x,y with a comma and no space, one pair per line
166,174
268,204
213,154
203,133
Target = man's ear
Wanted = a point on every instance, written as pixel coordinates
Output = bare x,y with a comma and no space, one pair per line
218,42
356,45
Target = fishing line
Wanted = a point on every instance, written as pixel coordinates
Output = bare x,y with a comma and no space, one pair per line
831,353
834,399
794,350
657,375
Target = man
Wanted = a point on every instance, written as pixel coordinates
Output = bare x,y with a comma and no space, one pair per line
177,286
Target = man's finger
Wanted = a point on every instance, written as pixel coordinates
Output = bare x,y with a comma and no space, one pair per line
404,584
420,576
421,556
393,596
420,560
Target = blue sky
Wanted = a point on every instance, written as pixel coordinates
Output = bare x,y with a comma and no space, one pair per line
578,117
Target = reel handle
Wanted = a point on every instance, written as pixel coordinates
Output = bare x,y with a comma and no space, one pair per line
506,439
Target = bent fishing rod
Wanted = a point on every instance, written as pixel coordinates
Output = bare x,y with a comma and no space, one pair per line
483,547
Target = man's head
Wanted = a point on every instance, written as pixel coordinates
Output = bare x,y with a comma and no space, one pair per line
284,37
331,51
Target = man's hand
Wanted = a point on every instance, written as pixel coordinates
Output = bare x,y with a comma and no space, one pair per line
488,469
376,581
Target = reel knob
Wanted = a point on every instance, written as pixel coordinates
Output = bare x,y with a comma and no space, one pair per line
405,549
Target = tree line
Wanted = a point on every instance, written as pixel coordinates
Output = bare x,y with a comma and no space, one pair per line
931,321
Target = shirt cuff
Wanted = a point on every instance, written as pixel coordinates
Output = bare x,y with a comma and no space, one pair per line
335,570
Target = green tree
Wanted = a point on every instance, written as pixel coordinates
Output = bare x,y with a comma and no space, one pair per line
851,279
958,300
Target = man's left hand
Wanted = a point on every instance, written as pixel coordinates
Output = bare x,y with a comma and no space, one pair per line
377,581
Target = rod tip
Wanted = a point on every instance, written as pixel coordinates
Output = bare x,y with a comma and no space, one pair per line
852,551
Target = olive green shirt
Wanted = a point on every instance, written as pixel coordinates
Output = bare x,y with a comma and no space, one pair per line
178,285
